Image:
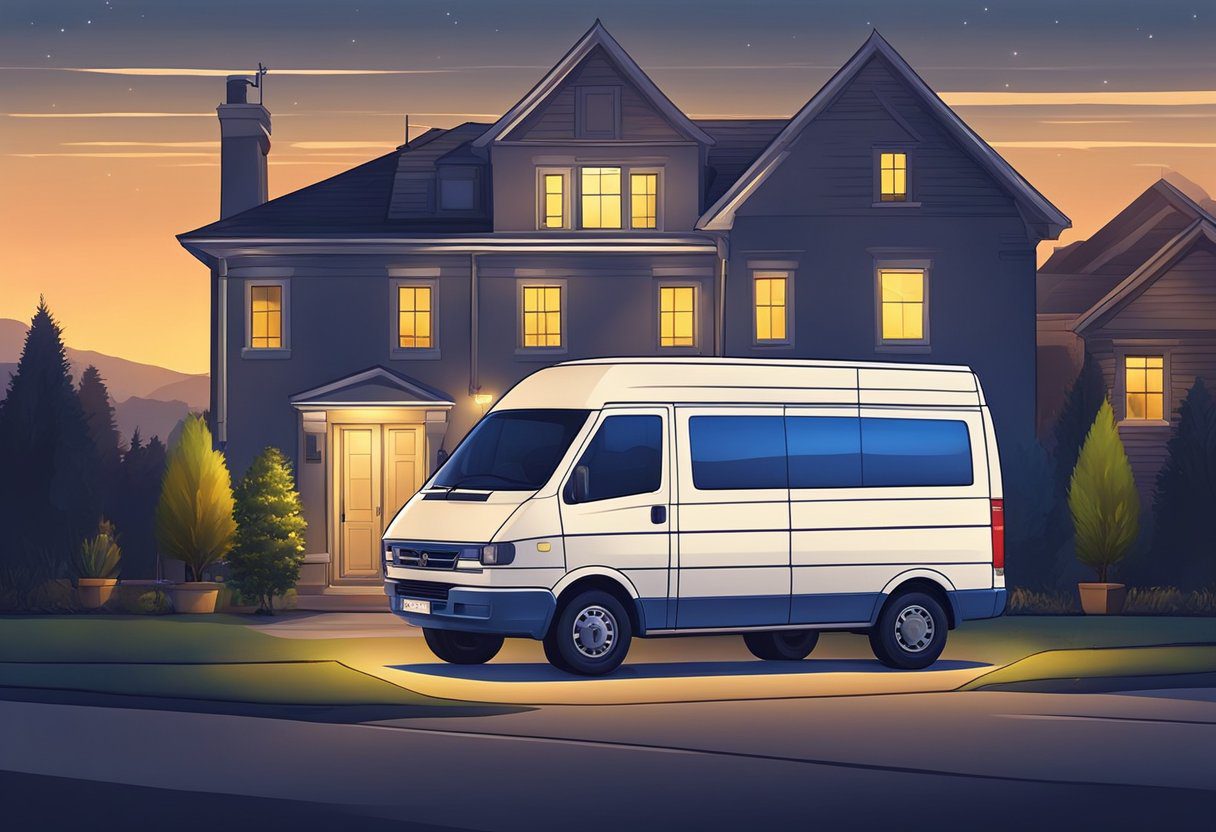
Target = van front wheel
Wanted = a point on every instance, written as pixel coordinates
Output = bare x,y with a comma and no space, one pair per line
590,635
910,632
462,648
782,645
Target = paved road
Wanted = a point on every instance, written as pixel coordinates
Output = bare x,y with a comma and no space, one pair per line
990,760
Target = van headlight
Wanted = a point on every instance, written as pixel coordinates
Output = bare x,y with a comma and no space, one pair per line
498,554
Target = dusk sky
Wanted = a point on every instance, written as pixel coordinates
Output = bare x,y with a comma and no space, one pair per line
109,141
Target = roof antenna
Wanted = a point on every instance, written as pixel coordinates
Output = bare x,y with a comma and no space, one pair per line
257,81
407,130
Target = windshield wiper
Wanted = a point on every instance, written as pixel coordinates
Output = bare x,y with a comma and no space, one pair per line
464,479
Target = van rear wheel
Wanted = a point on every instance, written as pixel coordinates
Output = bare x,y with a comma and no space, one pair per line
782,645
462,648
910,632
590,634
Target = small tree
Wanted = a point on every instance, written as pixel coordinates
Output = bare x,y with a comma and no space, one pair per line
139,481
194,520
99,414
1184,549
1102,497
269,549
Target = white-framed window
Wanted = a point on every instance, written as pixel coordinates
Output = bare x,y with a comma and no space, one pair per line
645,201
597,112
267,318
414,305
771,307
901,292
542,316
1143,374
600,198
553,198
677,308
891,175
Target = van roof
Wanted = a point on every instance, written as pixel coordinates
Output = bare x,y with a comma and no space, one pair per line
594,383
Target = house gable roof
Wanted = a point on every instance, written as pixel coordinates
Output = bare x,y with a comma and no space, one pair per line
721,214
596,36
1200,231
373,387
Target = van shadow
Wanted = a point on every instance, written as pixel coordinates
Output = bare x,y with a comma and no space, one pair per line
518,672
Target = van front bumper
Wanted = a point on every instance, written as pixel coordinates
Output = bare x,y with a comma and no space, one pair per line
504,612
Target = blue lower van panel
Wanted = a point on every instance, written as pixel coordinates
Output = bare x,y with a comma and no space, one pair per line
835,608
740,611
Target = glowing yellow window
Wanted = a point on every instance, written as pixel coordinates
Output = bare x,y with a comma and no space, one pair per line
415,322
555,201
677,316
266,317
1145,377
542,316
893,173
903,305
643,200
771,306
601,197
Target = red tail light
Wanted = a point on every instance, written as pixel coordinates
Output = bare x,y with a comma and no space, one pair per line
998,534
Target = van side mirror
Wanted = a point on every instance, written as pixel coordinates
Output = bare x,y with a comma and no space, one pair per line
580,484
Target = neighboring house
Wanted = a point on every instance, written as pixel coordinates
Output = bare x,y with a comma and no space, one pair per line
1140,297
367,321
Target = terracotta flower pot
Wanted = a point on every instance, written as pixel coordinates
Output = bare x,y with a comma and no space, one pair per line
1102,599
194,597
92,593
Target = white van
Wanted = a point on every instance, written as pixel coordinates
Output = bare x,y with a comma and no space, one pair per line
608,499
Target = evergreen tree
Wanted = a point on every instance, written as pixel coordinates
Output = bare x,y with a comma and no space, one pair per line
48,501
134,513
1102,497
99,414
269,549
1030,559
1184,548
194,514
1085,397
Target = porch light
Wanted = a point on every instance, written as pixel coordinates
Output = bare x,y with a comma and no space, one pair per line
482,400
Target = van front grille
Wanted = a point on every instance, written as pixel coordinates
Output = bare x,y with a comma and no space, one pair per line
428,556
430,590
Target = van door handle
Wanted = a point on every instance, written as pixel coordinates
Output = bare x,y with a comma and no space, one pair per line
658,515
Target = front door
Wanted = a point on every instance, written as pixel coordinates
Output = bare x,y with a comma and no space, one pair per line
379,469
622,521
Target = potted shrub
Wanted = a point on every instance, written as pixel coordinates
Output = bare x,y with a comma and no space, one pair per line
269,549
97,567
194,521
1105,512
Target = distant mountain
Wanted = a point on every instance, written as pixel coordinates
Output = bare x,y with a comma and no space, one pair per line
124,378
154,399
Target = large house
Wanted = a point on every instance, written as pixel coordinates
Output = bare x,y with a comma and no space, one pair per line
1140,297
366,322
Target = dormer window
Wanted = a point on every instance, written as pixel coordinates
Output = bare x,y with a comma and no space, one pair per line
459,189
598,113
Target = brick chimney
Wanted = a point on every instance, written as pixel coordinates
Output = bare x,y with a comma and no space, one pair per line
244,144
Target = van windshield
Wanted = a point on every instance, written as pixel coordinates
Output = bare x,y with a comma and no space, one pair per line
512,450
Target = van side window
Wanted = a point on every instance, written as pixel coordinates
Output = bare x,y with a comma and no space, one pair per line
825,451
733,452
915,452
625,457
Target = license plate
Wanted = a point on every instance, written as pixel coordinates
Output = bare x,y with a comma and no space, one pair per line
414,605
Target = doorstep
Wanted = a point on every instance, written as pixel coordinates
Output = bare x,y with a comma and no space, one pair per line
345,599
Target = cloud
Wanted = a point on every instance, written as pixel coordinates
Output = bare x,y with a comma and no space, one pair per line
117,155
353,145
199,72
1081,144
140,144
1086,121
110,115
1160,98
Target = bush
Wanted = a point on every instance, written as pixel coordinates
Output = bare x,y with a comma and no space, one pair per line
1102,497
269,549
140,600
194,521
99,555
1184,548
1024,601
1168,600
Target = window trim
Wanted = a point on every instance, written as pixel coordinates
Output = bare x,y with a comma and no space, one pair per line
567,197
580,111
907,345
395,350
909,180
541,353
660,285
1120,385
627,199
774,343
624,195
247,348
